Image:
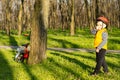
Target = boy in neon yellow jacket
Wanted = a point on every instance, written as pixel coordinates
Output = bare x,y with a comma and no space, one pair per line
100,44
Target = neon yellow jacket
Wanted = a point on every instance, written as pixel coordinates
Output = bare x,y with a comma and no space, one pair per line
98,39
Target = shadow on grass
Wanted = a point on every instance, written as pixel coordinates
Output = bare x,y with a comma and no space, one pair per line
58,74
81,64
6,72
113,55
29,72
12,41
114,32
64,43
114,41
110,64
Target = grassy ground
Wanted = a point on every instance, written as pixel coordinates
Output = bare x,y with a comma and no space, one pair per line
13,40
82,39
59,38
58,66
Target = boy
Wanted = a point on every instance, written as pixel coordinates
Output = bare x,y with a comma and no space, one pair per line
100,43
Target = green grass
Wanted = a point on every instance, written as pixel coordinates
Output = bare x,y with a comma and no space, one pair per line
13,40
58,38
58,66
82,39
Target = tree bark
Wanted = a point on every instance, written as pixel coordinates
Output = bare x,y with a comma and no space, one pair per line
39,32
88,14
8,21
20,20
7,15
72,29
119,14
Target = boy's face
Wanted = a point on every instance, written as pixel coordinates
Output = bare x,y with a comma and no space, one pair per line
99,25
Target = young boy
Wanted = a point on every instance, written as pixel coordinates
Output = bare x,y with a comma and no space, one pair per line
100,44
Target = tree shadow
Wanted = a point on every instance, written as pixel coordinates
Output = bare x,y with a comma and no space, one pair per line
26,68
29,72
12,41
114,41
114,33
6,72
81,64
64,43
113,55
110,64
57,74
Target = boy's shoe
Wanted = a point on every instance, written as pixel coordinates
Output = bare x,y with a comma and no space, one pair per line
93,74
107,72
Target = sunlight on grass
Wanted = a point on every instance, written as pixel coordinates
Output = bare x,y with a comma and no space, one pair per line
82,39
58,66
13,40
62,39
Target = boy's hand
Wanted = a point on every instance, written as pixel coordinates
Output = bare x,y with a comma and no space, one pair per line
97,50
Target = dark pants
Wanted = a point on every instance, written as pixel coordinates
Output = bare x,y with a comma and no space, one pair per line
100,59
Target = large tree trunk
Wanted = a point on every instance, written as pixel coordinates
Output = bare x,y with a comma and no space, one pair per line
39,32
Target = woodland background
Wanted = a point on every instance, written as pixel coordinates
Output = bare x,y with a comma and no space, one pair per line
17,14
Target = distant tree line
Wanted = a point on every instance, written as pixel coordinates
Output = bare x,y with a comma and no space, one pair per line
64,14
85,13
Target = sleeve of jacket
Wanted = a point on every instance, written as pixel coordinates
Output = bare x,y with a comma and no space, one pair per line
93,31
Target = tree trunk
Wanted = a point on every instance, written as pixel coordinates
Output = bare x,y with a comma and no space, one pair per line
20,20
97,8
72,29
8,21
88,14
39,32
119,14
